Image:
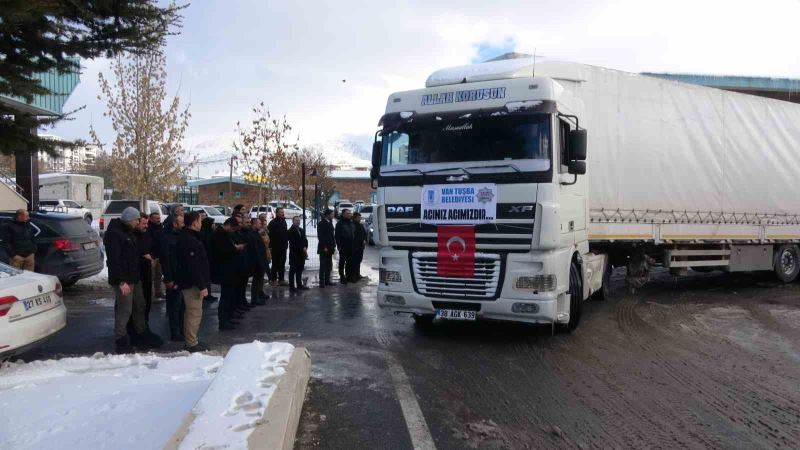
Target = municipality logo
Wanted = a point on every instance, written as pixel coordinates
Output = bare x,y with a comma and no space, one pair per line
485,195
430,196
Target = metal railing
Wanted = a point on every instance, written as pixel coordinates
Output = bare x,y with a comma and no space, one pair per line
6,179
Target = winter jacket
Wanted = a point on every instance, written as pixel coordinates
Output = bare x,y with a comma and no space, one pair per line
278,234
297,246
122,255
170,262
326,239
20,239
223,257
345,233
256,252
265,238
359,238
144,246
155,230
193,270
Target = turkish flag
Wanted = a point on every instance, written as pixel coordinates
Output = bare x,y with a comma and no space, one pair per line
455,256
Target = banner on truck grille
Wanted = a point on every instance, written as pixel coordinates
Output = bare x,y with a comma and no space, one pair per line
459,204
455,252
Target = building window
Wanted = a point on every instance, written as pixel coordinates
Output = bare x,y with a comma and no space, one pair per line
221,194
237,194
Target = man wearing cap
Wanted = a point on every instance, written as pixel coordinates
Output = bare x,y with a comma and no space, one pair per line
124,276
326,245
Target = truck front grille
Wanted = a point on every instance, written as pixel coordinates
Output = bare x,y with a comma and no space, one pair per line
485,285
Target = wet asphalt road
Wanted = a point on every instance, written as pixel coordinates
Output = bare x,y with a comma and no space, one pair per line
708,361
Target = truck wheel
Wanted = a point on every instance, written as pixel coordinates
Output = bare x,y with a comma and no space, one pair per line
604,292
423,320
787,263
575,300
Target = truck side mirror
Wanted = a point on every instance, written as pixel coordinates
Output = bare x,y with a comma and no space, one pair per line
376,160
577,167
577,145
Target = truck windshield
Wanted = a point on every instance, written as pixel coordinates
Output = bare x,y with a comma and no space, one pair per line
492,138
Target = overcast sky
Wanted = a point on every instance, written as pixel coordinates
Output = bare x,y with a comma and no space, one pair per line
294,56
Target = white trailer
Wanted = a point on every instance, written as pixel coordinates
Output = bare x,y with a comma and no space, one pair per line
86,190
675,174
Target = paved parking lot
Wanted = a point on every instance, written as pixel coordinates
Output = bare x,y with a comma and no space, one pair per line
707,361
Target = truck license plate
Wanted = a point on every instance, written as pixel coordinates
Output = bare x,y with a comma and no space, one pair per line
455,314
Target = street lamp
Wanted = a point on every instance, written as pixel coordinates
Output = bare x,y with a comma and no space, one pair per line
303,187
230,180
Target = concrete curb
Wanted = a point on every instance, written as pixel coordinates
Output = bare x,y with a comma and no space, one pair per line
282,414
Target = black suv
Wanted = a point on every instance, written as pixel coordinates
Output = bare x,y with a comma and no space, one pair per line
68,247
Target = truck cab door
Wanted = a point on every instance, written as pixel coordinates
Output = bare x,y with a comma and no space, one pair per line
572,189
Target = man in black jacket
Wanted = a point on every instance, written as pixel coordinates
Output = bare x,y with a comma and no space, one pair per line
257,253
225,254
278,243
242,236
124,276
155,229
326,246
298,252
345,233
169,267
144,244
359,243
21,241
193,278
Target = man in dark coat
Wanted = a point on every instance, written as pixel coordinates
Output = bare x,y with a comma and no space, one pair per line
278,243
224,266
298,252
122,258
206,231
359,244
345,233
326,246
155,228
169,267
20,241
242,236
193,278
257,253
144,246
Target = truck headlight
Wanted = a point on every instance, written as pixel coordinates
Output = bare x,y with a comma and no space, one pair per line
535,283
389,276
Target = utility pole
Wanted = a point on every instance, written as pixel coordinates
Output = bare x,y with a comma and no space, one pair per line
303,180
230,181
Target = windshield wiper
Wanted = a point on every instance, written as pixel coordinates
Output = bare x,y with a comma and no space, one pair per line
512,166
405,170
467,172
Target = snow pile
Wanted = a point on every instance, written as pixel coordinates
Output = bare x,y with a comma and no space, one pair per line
104,401
235,402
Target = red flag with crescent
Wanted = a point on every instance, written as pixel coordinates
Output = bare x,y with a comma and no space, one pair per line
455,256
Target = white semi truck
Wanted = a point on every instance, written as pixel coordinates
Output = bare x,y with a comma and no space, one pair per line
508,190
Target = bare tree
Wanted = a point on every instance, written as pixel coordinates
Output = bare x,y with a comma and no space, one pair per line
262,147
148,147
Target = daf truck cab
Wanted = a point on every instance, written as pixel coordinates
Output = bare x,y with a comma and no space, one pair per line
482,206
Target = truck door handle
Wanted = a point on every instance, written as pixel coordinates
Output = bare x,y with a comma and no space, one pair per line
571,225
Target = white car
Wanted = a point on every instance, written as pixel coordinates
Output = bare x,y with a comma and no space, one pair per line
211,211
31,309
68,207
263,209
290,209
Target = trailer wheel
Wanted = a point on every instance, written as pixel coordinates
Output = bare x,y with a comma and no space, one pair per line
787,263
575,300
604,292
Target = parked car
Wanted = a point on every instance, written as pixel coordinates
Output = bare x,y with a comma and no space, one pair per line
31,310
225,210
168,206
262,209
115,208
69,207
68,247
357,205
367,221
290,209
211,211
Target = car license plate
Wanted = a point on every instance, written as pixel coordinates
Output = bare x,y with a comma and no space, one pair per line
455,314
42,300
89,245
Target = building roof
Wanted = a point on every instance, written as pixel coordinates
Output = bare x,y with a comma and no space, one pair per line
215,180
349,174
60,84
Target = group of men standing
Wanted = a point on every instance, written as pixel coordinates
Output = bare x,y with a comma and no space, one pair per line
192,253
348,237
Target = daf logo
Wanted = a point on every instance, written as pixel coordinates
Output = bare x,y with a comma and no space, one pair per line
400,209
520,208
40,288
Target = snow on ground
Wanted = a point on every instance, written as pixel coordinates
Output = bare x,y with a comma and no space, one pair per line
236,400
103,401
